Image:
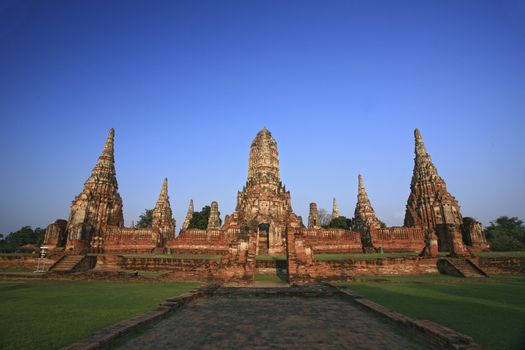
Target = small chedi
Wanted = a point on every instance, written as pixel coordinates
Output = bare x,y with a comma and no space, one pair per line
264,219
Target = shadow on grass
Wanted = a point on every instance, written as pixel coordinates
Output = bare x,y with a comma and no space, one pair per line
492,313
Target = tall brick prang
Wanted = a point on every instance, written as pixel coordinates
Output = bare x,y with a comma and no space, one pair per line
364,215
313,216
188,217
264,202
335,209
162,217
98,204
214,220
430,205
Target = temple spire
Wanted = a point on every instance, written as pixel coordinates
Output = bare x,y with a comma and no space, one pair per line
263,163
420,145
364,215
214,220
162,214
163,196
188,217
429,204
361,186
104,170
313,216
335,209
99,204
108,150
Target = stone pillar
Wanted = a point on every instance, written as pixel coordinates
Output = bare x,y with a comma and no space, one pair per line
298,256
335,210
313,217
214,220
457,249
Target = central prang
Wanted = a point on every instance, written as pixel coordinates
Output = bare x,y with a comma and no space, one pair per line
264,204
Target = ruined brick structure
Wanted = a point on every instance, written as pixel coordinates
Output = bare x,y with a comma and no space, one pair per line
162,218
263,221
264,204
432,207
365,219
474,235
313,216
99,204
335,210
56,234
96,221
214,221
188,217
376,238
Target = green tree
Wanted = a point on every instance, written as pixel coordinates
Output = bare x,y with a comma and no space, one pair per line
324,218
341,222
145,219
506,234
383,225
200,218
26,235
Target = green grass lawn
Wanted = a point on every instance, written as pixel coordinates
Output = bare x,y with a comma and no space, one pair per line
271,278
491,310
52,314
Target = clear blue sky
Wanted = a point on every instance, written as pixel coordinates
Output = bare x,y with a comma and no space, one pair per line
187,84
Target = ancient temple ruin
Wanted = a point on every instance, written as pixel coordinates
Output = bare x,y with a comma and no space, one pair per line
263,218
432,207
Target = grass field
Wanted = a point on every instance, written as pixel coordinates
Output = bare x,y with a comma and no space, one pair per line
492,310
52,314
271,278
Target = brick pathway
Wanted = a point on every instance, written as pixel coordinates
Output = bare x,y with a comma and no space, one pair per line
254,319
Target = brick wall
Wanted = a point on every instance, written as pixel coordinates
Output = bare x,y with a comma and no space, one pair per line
332,240
383,266
24,261
502,265
195,241
399,239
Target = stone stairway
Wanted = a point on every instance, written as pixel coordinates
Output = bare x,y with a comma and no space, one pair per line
67,263
460,267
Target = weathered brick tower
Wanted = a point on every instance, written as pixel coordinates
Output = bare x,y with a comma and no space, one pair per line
162,218
189,215
364,215
264,204
430,205
98,204
365,218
